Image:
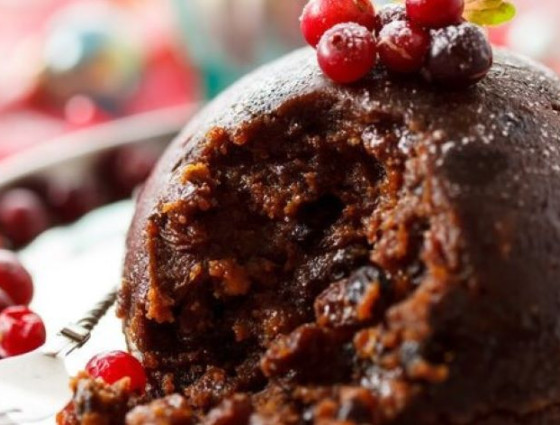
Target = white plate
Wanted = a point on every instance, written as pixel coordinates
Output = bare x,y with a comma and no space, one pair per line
72,268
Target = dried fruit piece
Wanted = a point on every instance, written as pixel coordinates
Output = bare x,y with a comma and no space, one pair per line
354,301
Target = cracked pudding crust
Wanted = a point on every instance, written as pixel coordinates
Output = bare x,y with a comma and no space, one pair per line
383,253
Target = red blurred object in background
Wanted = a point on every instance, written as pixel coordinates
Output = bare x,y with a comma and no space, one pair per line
70,65
69,199
23,216
125,168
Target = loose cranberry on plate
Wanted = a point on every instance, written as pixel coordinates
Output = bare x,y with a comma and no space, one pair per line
347,52
113,366
459,56
15,281
23,216
21,331
388,14
5,301
435,13
403,46
321,15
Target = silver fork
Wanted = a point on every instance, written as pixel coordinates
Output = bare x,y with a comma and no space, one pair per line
34,386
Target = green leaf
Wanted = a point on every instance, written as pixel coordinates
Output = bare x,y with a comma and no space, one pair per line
482,4
489,12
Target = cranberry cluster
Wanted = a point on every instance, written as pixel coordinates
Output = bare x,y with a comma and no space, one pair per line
21,330
32,207
426,36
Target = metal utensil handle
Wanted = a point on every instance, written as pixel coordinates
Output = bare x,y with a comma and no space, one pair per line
81,330
77,334
91,319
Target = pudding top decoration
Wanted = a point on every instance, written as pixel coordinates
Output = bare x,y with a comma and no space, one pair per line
439,39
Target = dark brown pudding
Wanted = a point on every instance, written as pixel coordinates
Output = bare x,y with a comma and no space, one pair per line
381,253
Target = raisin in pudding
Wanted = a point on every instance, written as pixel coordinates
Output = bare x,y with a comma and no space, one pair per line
384,252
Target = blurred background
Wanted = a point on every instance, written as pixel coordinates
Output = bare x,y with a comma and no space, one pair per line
91,91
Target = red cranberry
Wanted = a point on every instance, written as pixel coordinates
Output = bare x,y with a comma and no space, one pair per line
23,216
388,14
459,56
15,281
21,331
5,301
70,200
321,15
403,46
347,52
116,365
435,13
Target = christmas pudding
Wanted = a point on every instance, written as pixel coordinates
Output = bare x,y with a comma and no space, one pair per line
380,252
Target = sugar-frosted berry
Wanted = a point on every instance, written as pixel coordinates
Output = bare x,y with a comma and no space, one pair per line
321,15
388,14
459,56
347,52
403,46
